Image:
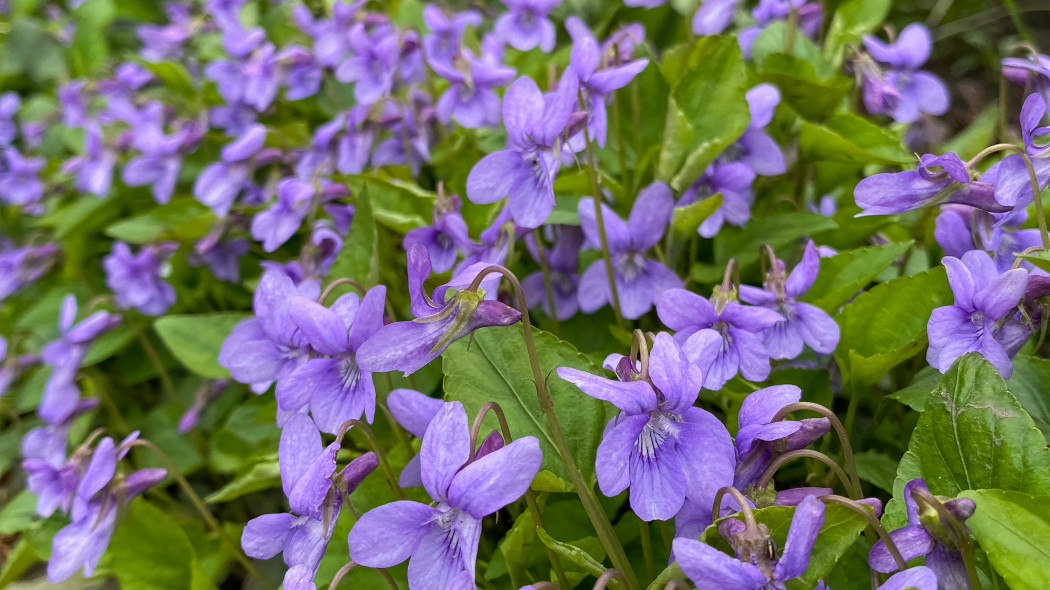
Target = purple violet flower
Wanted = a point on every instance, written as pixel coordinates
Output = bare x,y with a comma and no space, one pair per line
1033,70
563,262
137,279
275,225
960,229
21,266
938,180
414,412
372,63
442,45
983,297
1013,185
721,332
639,280
446,237
525,24
409,345
713,16
470,98
220,182
801,323
10,102
159,164
441,541
917,91
20,180
809,15
94,168
659,445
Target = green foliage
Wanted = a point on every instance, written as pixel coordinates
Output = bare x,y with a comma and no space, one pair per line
1013,528
844,275
195,340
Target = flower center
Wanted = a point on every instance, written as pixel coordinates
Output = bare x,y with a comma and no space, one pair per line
349,372
652,437
631,264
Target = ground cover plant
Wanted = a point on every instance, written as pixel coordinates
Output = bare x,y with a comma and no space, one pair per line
524,294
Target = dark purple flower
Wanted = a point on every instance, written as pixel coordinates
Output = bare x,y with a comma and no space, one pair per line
222,257
659,445
960,229
302,72
21,266
446,237
372,63
441,541
801,323
563,263
442,45
20,179
470,98
413,411
925,535
938,180
757,431
978,320
407,346
1032,72
1013,185
334,387
220,182
137,279
721,332
10,102
639,279
525,171
918,91
268,346
525,24
61,394
756,565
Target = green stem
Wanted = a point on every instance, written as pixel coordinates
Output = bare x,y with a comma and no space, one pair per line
840,430
1037,197
958,531
647,548
206,514
158,365
873,522
391,478
779,462
594,511
547,285
792,29
339,575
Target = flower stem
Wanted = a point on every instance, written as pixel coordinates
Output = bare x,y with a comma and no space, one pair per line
847,449
339,575
545,267
391,478
779,462
607,576
592,172
749,517
1040,215
165,379
873,522
647,547
205,513
959,534
594,511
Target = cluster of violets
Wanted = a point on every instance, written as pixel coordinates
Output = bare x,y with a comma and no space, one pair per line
674,458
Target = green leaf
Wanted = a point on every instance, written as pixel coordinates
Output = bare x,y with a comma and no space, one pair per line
973,434
686,220
979,134
495,367
707,109
841,527
1040,259
150,551
1014,530
183,219
846,137
576,555
915,395
396,204
108,344
876,468
743,243
195,340
1028,384
263,475
174,76
886,325
359,258
30,49
844,274
808,83
853,20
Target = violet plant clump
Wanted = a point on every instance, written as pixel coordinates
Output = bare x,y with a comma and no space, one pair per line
533,294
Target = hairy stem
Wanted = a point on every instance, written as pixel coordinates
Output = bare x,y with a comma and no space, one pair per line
779,462
873,522
847,449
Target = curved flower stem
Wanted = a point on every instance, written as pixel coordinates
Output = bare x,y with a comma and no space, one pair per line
640,347
530,498
958,532
391,478
847,449
779,462
749,517
202,508
594,510
545,585
592,172
338,283
162,373
545,267
647,547
873,522
339,575
1040,215
607,576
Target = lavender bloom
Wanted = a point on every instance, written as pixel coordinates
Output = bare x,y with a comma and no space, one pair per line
372,62
407,346
1034,70
49,473
441,541
314,491
983,297
409,141
121,93
721,332
923,535
275,225
757,430
334,387
442,45
21,266
918,91
598,78
960,229
268,346
304,73
470,98
755,147
525,172
330,35
801,323
20,180
1013,185
220,182
754,567
10,102
137,279
222,258
938,179
61,394
7,367
494,243
563,263
344,142
712,17
94,168
74,103
525,24
639,280
446,237
161,42
254,81
159,164
414,412
659,445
